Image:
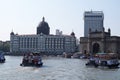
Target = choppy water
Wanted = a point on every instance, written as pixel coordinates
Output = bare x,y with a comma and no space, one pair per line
55,69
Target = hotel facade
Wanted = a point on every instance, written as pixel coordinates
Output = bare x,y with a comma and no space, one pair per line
42,42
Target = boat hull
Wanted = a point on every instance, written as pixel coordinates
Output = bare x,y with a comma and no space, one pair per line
102,64
113,66
2,61
30,64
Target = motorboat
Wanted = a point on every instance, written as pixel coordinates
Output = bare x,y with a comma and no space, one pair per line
111,63
104,60
2,57
92,62
32,59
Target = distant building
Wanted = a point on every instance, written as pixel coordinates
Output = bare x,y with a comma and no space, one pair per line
58,32
93,20
51,44
98,40
42,43
1,42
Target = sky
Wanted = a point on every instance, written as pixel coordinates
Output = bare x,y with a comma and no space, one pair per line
23,16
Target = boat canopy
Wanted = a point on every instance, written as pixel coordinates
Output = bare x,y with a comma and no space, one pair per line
106,55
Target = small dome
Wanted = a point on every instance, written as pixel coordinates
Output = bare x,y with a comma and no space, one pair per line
43,27
12,33
109,30
72,34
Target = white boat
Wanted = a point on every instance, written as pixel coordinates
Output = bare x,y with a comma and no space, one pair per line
104,60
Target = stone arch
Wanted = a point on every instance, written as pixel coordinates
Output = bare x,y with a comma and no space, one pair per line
95,47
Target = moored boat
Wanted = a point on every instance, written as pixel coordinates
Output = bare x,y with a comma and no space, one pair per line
104,60
92,62
110,63
2,58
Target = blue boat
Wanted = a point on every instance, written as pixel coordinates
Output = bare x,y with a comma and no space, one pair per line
2,57
109,60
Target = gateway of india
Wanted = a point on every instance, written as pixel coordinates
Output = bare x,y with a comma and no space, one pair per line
96,39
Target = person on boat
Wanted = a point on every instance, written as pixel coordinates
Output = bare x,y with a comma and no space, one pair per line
25,59
30,58
97,60
91,59
35,59
2,58
109,62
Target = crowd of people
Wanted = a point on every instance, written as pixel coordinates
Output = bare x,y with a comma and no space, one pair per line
32,58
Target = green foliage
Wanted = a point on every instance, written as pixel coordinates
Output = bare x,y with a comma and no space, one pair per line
5,47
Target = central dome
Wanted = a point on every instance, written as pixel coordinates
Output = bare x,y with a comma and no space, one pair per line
43,27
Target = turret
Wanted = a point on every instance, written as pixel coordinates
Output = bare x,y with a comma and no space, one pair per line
109,31
103,29
12,33
73,34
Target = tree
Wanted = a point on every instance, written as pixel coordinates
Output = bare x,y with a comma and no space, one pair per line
5,46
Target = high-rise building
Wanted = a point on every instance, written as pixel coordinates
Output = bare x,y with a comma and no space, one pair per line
98,40
93,21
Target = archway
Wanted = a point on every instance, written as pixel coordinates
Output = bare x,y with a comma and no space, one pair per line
96,48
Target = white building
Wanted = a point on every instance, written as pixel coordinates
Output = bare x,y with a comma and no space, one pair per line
43,42
58,32
48,44
93,20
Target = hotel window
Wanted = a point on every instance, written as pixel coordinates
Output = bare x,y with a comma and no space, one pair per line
28,42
